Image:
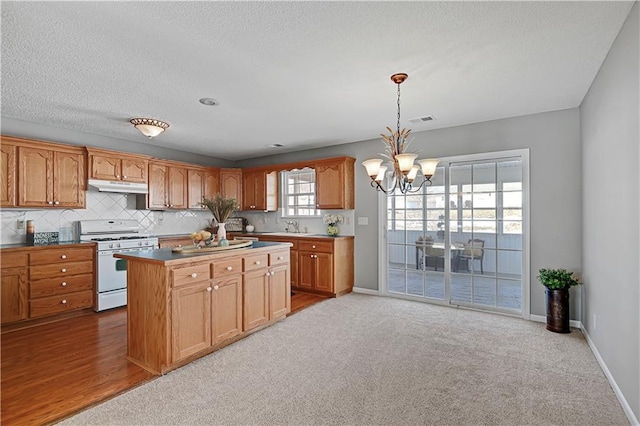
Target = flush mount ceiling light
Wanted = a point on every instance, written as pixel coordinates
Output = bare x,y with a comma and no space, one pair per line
149,127
404,172
208,101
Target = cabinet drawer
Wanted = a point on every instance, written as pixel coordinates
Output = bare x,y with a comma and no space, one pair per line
255,262
279,258
226,267
57,304
68,254
61,269
14,260
190,274
63,285
317,245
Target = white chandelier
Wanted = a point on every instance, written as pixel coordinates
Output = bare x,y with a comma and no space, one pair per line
150,127
404,171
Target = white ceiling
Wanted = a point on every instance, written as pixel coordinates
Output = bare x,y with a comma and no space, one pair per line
302,74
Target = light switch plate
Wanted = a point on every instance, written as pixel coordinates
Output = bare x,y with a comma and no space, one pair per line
363,220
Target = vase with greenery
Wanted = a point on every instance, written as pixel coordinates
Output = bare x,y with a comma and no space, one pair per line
222,209
558,282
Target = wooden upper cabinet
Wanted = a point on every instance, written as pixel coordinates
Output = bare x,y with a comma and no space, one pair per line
167,186
335,184
8,175
196,178
231,184
259,190
51,177
211,182
111,165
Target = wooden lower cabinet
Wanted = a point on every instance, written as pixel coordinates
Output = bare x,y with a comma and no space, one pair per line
202,302
227,308
316,271
256,298
13,297
171,242
191,319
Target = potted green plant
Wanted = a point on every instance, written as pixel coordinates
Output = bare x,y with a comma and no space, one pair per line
558,282
221,208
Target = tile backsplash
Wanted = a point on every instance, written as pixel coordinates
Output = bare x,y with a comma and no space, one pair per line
104,205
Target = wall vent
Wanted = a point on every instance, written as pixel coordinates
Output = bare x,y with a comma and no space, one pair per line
422,119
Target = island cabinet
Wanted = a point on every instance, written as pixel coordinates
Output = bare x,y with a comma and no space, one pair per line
167,186
13,297
50,175
201,302
117,166
259,190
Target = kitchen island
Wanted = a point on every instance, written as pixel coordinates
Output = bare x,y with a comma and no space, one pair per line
181,306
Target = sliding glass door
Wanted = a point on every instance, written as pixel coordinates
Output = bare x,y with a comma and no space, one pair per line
462,240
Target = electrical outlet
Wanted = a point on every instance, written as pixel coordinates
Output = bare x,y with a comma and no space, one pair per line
21,223
363,220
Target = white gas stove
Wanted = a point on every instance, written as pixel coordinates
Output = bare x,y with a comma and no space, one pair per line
113,236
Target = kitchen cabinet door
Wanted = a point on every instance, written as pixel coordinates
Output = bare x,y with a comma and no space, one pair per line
190,319
117,166
7,175
211,183
323,272
227,308
157,197
135,169
69,180
256,298
307,272
259,190
177,186
231,184
35,177
13,297
335,184
105,167
195,189
279,292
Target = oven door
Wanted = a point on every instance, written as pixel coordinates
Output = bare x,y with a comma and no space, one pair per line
112,272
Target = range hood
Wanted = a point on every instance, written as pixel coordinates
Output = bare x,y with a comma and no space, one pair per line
118,186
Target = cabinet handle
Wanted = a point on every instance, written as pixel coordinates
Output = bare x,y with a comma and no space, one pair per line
257,262
64,301
208,288
64,284
194,275
63,270
229,268
64,256
215,287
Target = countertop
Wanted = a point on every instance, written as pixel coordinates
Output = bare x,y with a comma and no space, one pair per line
58,244
167,256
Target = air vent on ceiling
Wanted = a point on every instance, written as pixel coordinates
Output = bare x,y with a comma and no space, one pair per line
275,145
422,119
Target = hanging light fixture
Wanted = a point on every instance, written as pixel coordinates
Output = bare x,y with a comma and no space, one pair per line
149,127
405,172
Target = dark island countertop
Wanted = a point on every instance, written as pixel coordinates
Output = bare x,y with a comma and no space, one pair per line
57,244
167,256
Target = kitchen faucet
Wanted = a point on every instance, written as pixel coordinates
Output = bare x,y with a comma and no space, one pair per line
292,223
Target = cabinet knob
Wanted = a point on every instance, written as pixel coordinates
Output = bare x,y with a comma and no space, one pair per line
63,270
50,203
64,256
117,176
64,301
280,258
215,287
267,274
257,262
313,246
64,284
194,275
56,203
124,177
208,288
229,268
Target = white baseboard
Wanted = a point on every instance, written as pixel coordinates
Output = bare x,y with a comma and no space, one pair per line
541,318
625,405
366,291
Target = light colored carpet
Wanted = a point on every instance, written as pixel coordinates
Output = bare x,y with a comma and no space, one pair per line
367,360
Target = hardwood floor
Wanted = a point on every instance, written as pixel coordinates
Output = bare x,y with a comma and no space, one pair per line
53,370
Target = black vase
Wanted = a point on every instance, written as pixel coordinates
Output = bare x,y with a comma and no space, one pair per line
558,310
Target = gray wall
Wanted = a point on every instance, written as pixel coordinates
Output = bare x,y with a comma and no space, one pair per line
555,175
611,224
24,129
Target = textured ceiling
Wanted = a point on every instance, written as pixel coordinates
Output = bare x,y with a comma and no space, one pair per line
301,74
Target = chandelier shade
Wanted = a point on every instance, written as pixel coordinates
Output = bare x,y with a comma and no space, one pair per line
403,171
